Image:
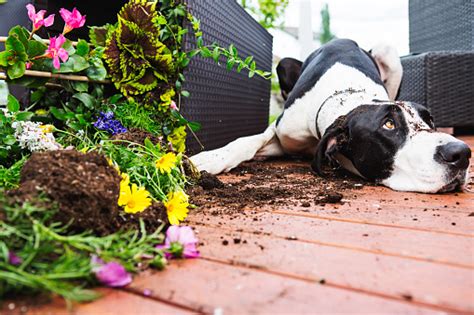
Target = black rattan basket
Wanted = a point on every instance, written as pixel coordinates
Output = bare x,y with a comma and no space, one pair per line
437,25
227,104
444,82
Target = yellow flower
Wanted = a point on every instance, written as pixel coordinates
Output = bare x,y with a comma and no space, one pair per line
178,139
166,162
135,199
84,150
47,128
177,207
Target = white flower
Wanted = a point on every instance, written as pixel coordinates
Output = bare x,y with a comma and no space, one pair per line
32,136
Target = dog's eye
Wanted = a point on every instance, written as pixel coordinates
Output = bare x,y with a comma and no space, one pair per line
389,124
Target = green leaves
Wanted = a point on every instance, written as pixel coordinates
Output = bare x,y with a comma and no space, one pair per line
75,63
13,105
88,100
82,48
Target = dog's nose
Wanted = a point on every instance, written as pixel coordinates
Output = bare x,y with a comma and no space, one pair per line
456,154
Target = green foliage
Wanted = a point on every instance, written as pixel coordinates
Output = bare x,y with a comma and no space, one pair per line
10,150
138,60
326,34
138,161
56,261
267,12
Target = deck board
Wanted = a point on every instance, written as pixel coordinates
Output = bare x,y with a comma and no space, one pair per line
380,251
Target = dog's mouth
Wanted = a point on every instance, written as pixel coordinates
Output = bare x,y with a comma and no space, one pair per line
456,184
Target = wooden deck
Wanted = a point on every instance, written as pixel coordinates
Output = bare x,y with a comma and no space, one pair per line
382,252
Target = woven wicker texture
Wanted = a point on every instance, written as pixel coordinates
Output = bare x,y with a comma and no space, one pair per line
444,82
437,25
227,104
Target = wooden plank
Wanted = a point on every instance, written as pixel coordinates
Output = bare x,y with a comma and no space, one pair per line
113,302
434,221
213,287
438,286
437,248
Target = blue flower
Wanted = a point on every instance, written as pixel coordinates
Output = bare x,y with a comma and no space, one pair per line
107,123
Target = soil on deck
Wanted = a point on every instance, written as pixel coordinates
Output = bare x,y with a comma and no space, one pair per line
264,183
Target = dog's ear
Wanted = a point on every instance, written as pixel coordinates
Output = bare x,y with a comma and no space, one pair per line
288,71
333,141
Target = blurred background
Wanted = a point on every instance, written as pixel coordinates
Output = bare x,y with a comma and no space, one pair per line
301,26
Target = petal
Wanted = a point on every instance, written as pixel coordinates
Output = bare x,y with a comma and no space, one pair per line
172,234
63,54
65,14
31,11
190,251
82,22
56,63
60,41
40,14
186,236
49,20
113,274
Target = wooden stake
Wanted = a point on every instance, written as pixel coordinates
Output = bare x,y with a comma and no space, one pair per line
4,39
70,77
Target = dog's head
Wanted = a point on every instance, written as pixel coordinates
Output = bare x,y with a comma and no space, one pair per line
395,144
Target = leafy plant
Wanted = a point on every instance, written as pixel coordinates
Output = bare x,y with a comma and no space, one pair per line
48,258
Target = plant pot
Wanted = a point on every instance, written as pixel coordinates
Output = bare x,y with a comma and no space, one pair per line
228,104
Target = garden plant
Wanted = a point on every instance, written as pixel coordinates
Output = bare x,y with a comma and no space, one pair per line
93,168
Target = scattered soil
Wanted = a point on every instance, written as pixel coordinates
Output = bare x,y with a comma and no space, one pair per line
283,182
86,190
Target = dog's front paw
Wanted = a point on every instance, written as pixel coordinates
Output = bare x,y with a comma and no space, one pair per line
210,161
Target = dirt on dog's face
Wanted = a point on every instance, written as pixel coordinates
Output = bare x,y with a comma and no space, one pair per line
396,145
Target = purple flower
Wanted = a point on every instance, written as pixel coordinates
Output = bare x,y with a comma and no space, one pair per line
107,122
13,259
111,274
180,242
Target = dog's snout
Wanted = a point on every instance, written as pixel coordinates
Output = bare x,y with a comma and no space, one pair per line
455,154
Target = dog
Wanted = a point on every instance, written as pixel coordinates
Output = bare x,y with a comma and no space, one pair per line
340,108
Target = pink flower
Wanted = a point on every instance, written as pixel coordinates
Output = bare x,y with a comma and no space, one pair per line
38,18
72,19
55,51
13,259
111,274
28,65
180,242
173,106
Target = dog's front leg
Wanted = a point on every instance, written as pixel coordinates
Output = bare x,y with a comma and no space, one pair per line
242,149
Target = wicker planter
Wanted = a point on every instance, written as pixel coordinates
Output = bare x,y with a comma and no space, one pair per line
227,104
437,25
444,82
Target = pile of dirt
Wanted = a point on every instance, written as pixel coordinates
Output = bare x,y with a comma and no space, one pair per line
86,190
281,182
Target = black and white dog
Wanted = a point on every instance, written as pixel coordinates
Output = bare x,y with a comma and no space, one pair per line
340,107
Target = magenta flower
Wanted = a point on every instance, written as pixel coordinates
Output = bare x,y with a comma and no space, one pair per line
72,19
13,259
180,242
38,18
111,274
56,51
